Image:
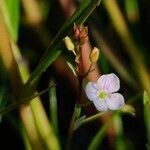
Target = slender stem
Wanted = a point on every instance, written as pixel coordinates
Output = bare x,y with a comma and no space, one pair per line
88,71
71,129
100,134
22,101
87,120
94,117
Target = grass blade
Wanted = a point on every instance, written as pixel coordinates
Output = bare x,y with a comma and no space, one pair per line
146,103
100,135
11,13
54,50
53,108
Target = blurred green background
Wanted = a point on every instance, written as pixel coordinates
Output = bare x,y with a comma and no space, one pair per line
120,28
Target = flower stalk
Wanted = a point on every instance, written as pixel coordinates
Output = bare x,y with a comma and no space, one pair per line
80,37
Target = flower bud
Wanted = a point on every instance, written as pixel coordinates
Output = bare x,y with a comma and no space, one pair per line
69,44
94,55
80,34
128,109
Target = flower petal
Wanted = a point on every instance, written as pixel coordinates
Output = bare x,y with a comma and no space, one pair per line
115,101
100,105
109,82
91,90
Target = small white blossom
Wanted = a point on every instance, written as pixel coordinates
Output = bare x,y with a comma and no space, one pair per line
103,93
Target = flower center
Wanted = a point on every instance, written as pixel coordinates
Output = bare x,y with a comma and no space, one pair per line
103,95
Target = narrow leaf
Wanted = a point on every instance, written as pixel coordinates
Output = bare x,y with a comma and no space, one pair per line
100,135
72,68
54,50
146,103
11,13
53,108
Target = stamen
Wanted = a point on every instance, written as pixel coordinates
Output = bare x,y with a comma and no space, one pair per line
103,95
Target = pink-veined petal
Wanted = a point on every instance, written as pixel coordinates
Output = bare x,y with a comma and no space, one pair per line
91,91
115,101
100,105
109,82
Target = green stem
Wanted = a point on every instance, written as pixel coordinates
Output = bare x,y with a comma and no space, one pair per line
22,101
100,134
87,120
53,108
71,129
92,118
79,17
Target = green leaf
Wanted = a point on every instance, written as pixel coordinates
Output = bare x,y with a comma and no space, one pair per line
77,111
146,103
120,142
54,50
72,68
145,98
11,13
53,108
132,10
96,141
79,122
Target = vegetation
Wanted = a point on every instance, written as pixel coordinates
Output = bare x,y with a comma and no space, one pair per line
54,54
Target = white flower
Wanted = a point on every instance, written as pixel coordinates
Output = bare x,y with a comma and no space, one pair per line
102,93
